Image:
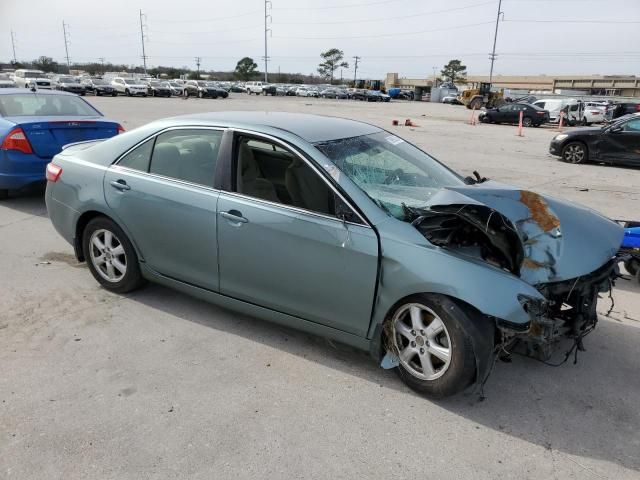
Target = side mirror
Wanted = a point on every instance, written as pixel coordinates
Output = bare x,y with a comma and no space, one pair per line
616,129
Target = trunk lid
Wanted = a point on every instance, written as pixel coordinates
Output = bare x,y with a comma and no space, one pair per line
47,137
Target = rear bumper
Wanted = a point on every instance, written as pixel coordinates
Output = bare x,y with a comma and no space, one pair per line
63,218
17,169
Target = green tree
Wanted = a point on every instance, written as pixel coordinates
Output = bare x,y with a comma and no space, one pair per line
331,61
454,71
246,69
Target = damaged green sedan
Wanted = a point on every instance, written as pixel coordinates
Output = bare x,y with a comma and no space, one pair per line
341,229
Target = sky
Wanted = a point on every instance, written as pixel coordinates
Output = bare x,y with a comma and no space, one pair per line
410,37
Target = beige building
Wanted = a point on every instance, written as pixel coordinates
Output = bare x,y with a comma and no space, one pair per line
615,85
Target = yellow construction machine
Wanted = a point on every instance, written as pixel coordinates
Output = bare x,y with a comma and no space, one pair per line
480,95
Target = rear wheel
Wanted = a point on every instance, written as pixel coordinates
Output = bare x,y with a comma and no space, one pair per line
114,94
574,152
435,354
527,122
110,256
585,122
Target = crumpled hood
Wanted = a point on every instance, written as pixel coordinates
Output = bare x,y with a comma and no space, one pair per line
560,240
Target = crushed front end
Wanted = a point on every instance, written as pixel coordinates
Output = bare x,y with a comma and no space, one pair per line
566,252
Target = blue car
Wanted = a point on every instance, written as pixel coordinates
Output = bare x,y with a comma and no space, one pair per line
36,125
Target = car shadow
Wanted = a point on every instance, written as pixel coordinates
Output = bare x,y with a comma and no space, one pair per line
588,409
29,200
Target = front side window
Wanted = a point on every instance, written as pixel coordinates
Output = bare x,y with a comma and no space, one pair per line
31,104
270,172
389,170
189,155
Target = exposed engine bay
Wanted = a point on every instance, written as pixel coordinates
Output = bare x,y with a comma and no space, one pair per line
527,241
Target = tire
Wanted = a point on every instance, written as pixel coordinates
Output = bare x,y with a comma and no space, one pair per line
127,92
114,94
144,95
485,119
97,93
214,96
454,368
4,193
475,103
632,265
527,122
585,122
575,152
109,273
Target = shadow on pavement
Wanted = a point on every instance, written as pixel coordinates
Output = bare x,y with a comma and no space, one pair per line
29,201
589,409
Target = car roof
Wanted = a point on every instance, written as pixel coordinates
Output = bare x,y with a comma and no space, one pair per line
312,128
9,91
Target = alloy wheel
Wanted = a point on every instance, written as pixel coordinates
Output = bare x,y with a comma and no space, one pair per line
108,255
574,153
421,341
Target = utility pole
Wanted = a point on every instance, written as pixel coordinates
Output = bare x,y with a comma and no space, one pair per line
355,70
13,44
198,60
267,19
495,38
142,37
102,62
434,77
66,43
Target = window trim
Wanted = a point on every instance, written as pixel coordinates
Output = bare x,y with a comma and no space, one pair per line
301,156
153,138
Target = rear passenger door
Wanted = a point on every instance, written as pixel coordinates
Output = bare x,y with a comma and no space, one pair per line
162,192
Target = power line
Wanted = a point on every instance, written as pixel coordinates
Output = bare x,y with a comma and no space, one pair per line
384,19
66,43
399,34
205,20
142,37
614,22
333,7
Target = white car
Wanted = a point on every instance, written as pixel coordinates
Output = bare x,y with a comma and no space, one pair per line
306,92
24,78
594,112
129,86
255,87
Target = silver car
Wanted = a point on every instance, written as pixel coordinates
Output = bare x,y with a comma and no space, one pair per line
341,229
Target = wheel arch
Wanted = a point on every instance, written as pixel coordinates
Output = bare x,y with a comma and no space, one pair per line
81,225
377,341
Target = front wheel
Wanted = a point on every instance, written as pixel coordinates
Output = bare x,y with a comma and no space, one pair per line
632,265
127,92
110,256
574,152
435,354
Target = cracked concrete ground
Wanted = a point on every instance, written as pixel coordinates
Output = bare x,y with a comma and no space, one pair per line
158,385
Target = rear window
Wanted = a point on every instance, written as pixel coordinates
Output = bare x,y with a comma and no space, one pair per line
32,104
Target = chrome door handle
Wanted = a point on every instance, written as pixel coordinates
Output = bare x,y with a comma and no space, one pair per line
234,217
120,185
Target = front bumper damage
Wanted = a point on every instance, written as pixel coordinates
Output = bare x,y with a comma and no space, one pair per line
566,252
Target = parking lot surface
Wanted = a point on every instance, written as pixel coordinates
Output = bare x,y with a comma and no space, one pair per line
157,385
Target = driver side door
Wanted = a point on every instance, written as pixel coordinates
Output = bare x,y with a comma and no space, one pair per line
622,146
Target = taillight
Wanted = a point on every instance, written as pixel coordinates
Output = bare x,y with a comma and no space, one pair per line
53,172
16,140
637,107
541,113
120,129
